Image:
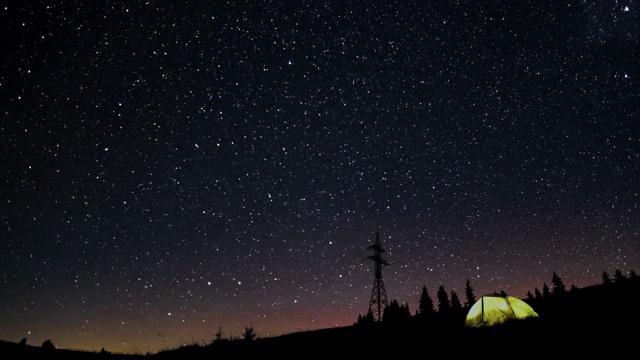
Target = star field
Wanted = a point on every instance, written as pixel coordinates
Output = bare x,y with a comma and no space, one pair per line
175,169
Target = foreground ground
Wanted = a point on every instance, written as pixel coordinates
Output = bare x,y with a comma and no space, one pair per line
597,320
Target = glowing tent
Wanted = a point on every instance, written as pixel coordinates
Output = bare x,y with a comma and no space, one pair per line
491,310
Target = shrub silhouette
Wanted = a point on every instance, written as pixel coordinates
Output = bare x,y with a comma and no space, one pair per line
48,345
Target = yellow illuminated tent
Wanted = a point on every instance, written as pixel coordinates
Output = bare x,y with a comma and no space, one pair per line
495,309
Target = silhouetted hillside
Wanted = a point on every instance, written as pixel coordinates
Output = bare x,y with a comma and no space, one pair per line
599,319
12,350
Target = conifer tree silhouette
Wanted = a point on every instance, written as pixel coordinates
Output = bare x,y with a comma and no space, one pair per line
394,312
618,277
366,319
218,335
545,291
444,305
425,305
557,284
248,333
456,306
537,293
370,318
606,279
469,295
404,311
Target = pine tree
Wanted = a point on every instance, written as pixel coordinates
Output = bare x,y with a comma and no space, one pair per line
425,306
443,300
456,306
389,311
537,293
557,284
529,295
606,279
369,318
469,295
405,313
633,276
248,333
394,312
218,334
618,277
545,291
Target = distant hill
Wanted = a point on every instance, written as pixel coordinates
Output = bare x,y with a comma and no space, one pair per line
599,319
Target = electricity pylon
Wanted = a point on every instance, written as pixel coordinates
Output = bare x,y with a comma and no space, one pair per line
378,294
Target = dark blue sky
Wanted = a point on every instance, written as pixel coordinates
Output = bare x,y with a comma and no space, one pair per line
173,169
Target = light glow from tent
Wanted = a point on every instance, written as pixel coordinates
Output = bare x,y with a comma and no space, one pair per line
495,309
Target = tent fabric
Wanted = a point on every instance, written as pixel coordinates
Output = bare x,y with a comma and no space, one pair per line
491,310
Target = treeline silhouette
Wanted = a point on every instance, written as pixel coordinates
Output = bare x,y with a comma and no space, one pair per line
596,318
577,321
450,311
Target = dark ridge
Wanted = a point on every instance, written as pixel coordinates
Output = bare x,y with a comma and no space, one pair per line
599,319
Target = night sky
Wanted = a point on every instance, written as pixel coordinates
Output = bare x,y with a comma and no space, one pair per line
174,169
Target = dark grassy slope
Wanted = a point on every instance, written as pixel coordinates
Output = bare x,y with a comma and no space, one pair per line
596,320
12,350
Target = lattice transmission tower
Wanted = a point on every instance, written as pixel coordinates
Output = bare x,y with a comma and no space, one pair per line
378,294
